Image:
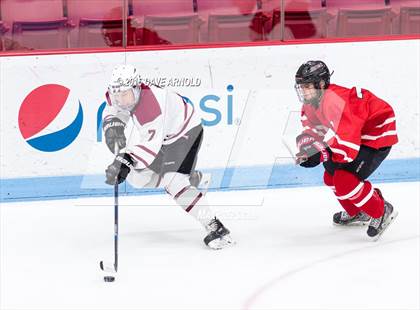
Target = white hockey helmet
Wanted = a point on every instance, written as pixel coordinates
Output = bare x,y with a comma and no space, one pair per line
124,87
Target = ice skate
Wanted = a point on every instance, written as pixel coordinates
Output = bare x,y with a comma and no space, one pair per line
218,236
344,219
378,225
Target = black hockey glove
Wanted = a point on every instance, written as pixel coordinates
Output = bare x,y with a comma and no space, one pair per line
117,172
311,152
114,134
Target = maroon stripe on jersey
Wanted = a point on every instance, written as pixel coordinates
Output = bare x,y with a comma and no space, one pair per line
182,191
185,109
140,159
146,150
194,202
183,127
148,108
108,98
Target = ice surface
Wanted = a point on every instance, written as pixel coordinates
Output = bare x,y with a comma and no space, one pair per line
288,254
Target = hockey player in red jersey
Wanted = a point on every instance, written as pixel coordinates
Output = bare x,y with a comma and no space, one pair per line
162,149
351,132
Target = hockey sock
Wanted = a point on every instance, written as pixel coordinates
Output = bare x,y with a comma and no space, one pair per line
350,208
192,200
360,193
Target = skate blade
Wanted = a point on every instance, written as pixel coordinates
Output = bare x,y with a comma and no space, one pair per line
390,219
358,224
107,267
221,243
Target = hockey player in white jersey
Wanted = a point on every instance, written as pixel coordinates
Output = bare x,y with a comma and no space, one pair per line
162,148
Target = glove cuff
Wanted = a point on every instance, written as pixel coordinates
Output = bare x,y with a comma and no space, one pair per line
125,159
323,149
113,122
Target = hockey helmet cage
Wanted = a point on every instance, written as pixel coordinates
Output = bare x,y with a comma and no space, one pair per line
124,87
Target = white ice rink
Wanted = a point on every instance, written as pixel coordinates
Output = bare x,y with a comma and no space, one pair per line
288,254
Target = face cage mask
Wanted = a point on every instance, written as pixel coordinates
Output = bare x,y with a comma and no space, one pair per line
314,101
126,99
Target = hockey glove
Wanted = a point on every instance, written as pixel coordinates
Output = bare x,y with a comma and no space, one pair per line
114,133
117,172
304,140
312,155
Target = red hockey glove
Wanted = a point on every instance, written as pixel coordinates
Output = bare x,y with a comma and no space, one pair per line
313,154
304,140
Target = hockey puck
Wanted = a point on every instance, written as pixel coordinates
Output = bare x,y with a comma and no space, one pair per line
109,279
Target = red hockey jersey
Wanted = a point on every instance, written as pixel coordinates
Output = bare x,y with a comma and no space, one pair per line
348,118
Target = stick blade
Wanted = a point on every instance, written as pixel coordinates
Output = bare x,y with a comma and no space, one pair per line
107,267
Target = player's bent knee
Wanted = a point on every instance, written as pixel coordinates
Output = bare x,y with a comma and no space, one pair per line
345,182
144,178
328,179
175,182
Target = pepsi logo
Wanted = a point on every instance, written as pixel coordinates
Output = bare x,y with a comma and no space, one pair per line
41,118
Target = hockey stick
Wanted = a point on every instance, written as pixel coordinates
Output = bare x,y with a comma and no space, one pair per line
107,267
297,160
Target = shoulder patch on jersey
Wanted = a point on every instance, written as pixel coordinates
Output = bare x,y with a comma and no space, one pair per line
148,108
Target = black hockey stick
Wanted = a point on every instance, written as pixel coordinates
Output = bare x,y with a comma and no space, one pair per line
106,266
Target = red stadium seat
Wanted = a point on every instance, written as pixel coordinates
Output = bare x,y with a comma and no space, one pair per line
236,28
364,22
100,32
333,7
304,19
162,7
227,6
98,23
351,4
50,34
169,30
3,30
300,24
410,20
36,24
166,21
31,10
231,20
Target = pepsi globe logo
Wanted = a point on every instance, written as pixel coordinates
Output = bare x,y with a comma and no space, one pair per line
39,110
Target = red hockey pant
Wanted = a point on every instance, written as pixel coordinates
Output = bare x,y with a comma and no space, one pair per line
353,194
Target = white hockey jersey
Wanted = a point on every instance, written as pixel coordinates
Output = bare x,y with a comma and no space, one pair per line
161,117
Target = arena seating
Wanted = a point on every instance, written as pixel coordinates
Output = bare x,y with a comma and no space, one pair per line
165,21
231,20
3,30
410,20
97,23
57,24
36,24
364,22
407,19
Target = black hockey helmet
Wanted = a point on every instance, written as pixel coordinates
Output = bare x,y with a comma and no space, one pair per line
313,71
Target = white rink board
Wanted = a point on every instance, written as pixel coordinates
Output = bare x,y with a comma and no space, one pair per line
262,78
